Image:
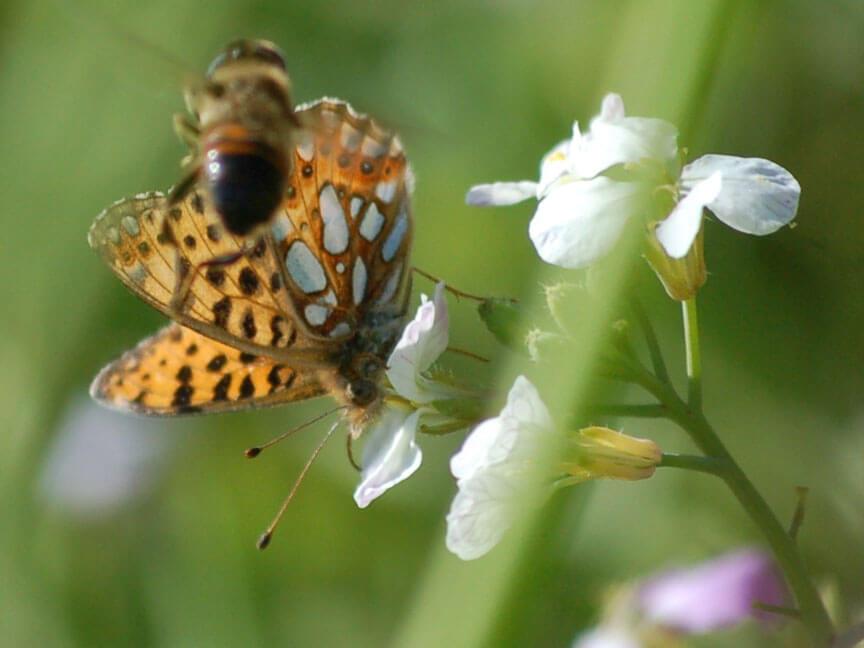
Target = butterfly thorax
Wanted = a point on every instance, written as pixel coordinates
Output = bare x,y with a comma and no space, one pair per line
361,362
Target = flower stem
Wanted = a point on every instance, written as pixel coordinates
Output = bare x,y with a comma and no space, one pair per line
651,341
690,418
694,354
708,465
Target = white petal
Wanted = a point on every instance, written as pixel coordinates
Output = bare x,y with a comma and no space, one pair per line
579,222
677,233
554,165
500,193
615,139
612,108
424,339
390,455
483,509
525,405
509,437
758,196
628,140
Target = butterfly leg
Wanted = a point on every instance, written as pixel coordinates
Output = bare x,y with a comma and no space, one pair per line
448,288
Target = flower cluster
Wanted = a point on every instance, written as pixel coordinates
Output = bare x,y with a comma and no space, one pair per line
629,168
503,461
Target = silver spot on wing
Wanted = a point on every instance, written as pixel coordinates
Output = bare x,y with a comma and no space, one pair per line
304,268
335,224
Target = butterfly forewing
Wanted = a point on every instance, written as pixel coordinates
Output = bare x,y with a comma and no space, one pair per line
147,243
346,228
179,371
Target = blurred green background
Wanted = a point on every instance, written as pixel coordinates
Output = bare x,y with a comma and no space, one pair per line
480,90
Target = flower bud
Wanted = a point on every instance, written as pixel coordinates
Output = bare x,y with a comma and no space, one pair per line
504,319
601,452
682,278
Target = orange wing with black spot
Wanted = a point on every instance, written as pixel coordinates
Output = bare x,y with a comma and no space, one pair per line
179,371
346,230
147,242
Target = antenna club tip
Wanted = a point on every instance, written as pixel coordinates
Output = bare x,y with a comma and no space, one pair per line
251,453
264,540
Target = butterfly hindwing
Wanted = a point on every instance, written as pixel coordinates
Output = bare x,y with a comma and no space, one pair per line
179,371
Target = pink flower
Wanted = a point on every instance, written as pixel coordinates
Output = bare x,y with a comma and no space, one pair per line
713,595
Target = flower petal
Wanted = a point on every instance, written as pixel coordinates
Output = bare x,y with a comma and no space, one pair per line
482,511
612,108
510,436
554,165
424,339
713,595
758,196
579,222
500,193
615,139
391,454
678,231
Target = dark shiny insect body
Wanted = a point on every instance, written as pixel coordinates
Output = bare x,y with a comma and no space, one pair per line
241,132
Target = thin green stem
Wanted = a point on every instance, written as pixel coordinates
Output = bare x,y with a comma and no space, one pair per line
654,350
693,421
694,354
709,465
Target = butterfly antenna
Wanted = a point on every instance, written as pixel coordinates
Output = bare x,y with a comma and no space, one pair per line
447,287
265,538
254,451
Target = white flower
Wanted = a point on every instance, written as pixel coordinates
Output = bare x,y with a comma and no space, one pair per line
424,339
592,185
100,461
391,453
498,464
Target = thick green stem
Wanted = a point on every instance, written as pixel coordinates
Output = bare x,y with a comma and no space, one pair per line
694,355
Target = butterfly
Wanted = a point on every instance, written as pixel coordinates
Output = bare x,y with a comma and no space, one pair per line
314,308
